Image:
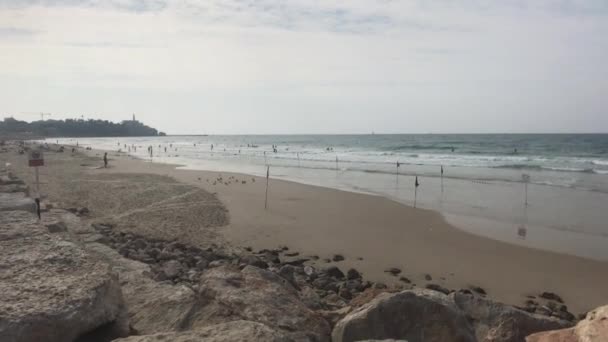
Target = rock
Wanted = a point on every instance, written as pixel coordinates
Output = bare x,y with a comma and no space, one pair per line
172,268
334,316
288,273
253,261
257,295
53,290
333,271
218,263
439,288
309,271
478,290
16,201
238,331
414,315
337,257
498,322
311,299
428,277
393,270
405,280
57,227
594,328
551,296
19,224
353,274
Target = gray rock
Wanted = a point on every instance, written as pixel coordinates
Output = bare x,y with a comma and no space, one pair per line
257,295
53,290
172,268
152,307
235,331
352,274
594,328
498,322
16,201
414,315
57,227
333,271
253,261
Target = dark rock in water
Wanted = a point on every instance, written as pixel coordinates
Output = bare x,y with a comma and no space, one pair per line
405,280
292,254
428,277
393,270
333,271
551,296
327,260
338,257
437,287
83,211
248,249
478,289
353,274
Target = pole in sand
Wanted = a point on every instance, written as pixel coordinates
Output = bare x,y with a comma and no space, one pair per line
336,163
267,178
298,154
526,179
36,160
397,177
416,185
441,178
265,160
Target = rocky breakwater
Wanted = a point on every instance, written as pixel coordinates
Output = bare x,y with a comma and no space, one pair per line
51,289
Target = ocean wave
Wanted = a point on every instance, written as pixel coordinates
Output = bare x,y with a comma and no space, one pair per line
600,162
549,168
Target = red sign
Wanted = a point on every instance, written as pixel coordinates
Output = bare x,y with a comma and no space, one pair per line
36,159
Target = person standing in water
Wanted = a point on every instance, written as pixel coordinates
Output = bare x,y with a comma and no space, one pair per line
105,159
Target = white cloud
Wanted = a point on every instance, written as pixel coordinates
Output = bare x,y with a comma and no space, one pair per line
286,62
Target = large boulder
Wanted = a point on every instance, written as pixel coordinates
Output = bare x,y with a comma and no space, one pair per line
19,224
235,331
16,201
153,307
256,295
498,322
417,315
594,328
53,290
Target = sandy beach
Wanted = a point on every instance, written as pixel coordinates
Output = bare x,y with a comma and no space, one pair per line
372,233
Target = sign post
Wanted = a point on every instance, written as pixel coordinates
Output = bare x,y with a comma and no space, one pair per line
526,179
36,160
267,179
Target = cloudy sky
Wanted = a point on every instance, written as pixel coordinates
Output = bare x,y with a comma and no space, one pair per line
308,66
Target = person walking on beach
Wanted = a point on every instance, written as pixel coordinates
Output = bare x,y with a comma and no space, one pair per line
105,160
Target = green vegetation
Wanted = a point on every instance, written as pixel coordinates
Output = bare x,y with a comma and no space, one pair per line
76,128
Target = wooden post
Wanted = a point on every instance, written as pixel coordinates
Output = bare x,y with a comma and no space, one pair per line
267,179
336,163
298,154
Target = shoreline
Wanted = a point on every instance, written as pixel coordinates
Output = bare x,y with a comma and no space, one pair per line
321,221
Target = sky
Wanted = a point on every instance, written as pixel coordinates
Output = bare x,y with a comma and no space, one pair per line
309,66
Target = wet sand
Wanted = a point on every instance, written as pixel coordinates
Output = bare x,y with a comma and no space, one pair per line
375,233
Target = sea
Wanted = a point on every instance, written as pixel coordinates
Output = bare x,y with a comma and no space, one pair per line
546,191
